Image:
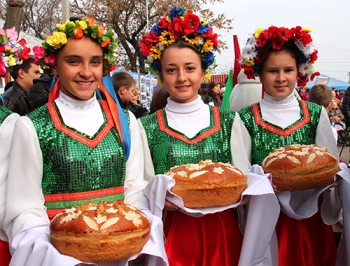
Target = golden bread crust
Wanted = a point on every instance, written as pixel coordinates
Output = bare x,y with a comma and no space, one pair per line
208,184
301,167
91,233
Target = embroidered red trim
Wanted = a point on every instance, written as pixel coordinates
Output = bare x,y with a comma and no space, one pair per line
83,195
53,212
209,132
278,131
92,143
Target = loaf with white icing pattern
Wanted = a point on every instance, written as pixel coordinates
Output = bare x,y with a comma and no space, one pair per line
208,184
301,167
103,232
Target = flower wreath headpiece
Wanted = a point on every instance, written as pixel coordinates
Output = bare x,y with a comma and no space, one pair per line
45,55
274,38
12,52
180,23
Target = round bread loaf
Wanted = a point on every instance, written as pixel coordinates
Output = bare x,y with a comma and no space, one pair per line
91,233
208,184
300,167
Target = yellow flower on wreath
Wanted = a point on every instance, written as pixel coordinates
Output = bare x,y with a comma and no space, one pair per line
207,76
82,24
61,27
57,39
166,38
11,60
208,46
257,32
155,53
194,41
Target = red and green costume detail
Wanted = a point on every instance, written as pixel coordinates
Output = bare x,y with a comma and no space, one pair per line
78,168
300,242
190,240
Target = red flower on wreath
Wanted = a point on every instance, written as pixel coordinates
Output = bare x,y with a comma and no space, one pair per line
190,23
148,41
175,27
211,36
25,53
163,23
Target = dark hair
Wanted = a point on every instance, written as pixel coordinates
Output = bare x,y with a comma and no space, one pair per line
24,66
121,79
289,47
180,43
211,87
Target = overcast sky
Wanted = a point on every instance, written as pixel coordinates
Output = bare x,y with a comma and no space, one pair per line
329,20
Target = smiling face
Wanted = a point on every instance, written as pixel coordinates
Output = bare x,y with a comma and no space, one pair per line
182,75
279,74
79,67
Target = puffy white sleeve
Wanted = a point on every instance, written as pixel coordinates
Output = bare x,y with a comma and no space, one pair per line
134,180
26,222
241,145
324,133
6,131
148,166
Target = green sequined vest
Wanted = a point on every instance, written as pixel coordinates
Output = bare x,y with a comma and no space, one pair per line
4,112
169,147
267,137
70,164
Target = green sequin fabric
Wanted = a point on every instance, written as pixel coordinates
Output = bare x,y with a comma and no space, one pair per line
167,151
71,166
4,112
264,141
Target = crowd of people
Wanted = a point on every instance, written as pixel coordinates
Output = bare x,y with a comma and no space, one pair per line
79,131
336,111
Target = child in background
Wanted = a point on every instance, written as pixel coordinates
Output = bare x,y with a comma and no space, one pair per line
322,95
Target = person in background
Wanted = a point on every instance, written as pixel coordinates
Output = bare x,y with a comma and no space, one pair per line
222,92
74,147
345,108
134,106
159,99
275,55
17,97
322,95
213,97
303,93
335,99
124,84
39,93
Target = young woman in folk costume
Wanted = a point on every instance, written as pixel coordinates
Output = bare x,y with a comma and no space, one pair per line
282,57
180,49
75,149
11,53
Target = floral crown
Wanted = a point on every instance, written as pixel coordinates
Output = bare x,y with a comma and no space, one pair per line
12,52
45,55
274,38
180,23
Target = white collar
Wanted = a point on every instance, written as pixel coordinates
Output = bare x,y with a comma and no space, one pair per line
71,103
288,101
184,108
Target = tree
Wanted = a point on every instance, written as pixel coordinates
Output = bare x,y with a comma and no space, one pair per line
38,16
14,14
128,19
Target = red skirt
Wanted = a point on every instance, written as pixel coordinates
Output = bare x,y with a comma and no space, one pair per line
213,239
306,242
5,255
